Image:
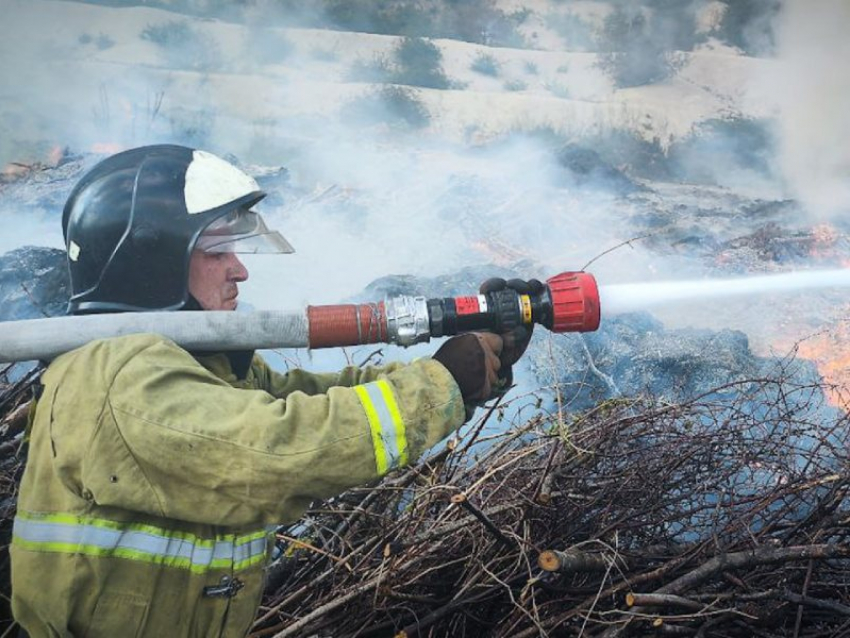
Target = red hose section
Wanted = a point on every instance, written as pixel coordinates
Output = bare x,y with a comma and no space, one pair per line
575,302
334,326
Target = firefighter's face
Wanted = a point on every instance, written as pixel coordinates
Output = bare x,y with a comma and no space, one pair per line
214,279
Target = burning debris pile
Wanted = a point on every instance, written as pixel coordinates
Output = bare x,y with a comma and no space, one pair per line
43,184
733,234
693,518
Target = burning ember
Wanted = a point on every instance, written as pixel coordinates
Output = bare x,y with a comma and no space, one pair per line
106,148
830,350
14,171
821,245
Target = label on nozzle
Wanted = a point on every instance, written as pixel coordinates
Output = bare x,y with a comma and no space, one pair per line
468,306
525,305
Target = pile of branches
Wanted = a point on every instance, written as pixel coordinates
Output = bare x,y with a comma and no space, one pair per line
17,384
722,515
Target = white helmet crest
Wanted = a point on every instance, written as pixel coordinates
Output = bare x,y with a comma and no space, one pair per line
211,182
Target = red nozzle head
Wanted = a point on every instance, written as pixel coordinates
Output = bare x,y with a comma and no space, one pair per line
575,302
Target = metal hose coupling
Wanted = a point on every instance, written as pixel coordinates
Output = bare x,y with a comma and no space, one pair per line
408,321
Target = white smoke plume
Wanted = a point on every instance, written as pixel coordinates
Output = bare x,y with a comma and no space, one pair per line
813,92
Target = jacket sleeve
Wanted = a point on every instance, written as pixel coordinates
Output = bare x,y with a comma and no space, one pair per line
175,441
281,385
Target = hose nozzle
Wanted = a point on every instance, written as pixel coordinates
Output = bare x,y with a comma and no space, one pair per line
569,302
574,297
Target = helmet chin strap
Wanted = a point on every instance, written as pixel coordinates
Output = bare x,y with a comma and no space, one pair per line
192,304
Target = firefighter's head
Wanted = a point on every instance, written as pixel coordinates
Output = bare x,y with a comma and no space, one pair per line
158,228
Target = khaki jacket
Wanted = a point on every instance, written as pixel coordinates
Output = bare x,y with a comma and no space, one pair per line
154,477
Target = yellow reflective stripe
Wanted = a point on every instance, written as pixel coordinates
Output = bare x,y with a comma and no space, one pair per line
374,427
70,519
389,438
398,422
142,557
69,534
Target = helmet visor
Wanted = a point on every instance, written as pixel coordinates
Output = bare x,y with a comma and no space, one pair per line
243,232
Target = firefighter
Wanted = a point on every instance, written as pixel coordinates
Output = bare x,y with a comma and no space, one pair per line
156,474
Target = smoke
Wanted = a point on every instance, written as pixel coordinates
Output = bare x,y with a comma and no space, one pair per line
391,178
813,92
375,189
359,210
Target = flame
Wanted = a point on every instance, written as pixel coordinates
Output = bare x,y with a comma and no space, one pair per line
18,170
14,170
826,243
55,155
830,351
106,148
825,234
498,252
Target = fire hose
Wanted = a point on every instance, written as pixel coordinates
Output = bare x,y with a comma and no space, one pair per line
569,302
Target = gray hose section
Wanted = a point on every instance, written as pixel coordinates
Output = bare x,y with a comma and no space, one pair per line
45,339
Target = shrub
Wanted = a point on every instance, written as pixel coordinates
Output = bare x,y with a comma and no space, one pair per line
486,64
103,42
531,68
638,41
376,70
395,106
389,17
515,85
469,20
168,34
420,63
719,151
636,58
624,151
748,25
182,46
559,90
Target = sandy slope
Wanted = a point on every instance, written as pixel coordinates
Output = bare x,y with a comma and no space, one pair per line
72,92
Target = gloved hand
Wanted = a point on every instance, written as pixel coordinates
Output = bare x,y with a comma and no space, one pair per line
473,360
517,340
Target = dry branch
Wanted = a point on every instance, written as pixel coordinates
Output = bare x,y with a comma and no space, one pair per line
571,561
753,558
662,600
723,515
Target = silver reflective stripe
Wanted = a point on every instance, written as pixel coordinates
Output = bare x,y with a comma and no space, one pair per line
247,551
385,418
72,535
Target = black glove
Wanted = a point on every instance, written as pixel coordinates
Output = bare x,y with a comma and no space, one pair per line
515,341
473,360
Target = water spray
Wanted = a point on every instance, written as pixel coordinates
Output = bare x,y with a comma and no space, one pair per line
620,298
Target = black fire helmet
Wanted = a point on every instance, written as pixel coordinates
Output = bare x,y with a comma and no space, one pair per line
132,222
